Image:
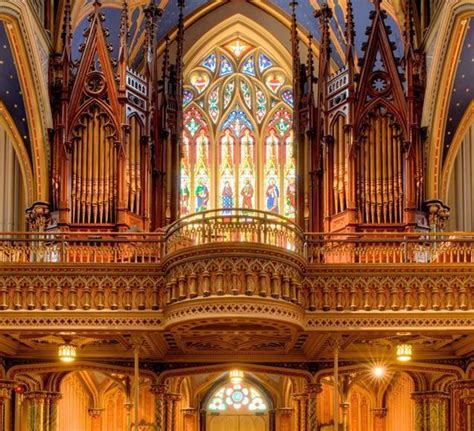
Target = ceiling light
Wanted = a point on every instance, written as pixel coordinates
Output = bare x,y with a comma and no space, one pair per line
236,377
67,352
404,352
378,371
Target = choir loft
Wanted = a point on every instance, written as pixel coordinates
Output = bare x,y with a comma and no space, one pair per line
236,215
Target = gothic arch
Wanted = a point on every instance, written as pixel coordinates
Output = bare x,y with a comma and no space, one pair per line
447,171
20,28
439,87
8,124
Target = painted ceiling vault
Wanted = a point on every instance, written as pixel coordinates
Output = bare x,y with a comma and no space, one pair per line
169,19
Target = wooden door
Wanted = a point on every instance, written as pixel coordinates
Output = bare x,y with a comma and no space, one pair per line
237,423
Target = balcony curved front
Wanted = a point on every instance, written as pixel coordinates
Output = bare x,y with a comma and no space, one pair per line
234,225
237,259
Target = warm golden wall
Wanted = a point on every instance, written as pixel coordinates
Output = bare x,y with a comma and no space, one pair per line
400,406
73,409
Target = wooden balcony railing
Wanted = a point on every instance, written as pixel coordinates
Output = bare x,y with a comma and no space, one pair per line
84,247
234,225
239,225
389,248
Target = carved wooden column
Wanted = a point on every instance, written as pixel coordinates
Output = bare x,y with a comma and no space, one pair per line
189,419
51,411
313,389
431,411
468,404
96,418
160,406
302,411
6,387
36,409
171,402
284,419
345,416
380,415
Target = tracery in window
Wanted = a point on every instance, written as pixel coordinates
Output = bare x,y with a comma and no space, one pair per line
237,145
237,397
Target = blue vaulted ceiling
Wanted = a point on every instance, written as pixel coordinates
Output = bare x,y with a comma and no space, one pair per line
169,20
10,89
463,88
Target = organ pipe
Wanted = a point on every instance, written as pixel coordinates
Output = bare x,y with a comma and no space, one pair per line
380,176
340,175
134,167
93,170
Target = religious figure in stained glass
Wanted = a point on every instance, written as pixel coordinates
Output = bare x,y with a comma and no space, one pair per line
202,196
227,196
184,197
247,195
290,178
273,195
202,172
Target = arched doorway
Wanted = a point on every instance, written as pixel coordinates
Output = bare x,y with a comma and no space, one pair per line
240,405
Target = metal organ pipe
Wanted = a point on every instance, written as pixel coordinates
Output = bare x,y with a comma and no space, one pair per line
94,170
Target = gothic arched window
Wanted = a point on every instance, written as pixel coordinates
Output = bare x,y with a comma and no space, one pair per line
237,396
237,143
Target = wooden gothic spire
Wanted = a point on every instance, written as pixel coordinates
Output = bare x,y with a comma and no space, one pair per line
123,48
380,81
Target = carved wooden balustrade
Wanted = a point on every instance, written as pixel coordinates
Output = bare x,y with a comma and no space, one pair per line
389,248
85,247
227,261
234,225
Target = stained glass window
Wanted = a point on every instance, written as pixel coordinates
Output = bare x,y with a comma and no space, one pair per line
237,397
249,66
237,145
210,62
226,66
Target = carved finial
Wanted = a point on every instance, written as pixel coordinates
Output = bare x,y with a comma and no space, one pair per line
409,23
377,4
180,52
152,12
295,40
66,35
324,14
97,5
124,24
166,61
350,27
310,62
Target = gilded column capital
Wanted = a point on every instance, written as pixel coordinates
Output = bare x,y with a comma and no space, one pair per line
53,396
159,389
36,396
285,411
467,400
380,412
6,387
173,397
313,389
462,384
303,396
95,412
429,395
